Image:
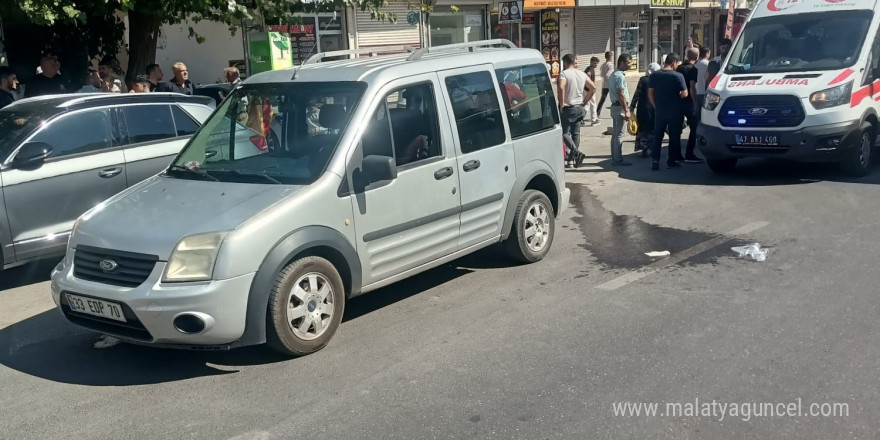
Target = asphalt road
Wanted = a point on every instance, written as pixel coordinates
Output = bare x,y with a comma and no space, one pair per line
484,349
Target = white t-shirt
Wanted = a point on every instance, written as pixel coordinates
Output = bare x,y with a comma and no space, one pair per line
575,81
702,68
606,71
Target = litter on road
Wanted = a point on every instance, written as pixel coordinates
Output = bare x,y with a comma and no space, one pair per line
656,254
752,251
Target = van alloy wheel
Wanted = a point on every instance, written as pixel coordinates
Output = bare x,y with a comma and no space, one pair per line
310,306
537,227
865,149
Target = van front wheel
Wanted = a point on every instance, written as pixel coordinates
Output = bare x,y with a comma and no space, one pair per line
857,162
534,225
305,307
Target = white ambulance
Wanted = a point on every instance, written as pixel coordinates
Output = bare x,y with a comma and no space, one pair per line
801,83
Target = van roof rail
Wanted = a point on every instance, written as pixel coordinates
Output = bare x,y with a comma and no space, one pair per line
371,51
471,47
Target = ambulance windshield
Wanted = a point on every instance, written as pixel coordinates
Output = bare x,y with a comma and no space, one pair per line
800,42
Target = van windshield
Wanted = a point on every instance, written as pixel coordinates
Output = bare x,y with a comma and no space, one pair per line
800,42
270,133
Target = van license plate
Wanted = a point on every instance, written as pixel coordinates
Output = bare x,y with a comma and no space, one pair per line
757,139
95,307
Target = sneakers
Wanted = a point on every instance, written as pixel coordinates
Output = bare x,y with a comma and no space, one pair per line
595,121
579,160
568,164
655,165
694,159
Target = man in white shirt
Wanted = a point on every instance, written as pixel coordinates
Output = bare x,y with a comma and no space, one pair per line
572,84
606,71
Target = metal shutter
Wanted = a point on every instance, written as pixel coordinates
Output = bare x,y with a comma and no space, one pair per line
371,32
593,31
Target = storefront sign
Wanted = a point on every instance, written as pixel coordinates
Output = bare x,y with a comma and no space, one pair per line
528,19
539,4
550,40
510,12
303,40
668,4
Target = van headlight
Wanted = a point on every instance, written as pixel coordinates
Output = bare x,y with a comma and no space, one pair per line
711,101
193,258
834,96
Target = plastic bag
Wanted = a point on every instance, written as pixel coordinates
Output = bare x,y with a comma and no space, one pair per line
752,251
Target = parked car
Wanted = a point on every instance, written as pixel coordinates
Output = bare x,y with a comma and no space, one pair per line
385,167
62,155
215,91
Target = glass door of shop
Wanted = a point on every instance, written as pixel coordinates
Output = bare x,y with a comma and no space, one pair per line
668,35
464,26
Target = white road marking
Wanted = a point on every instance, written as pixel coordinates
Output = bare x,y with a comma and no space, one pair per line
653,268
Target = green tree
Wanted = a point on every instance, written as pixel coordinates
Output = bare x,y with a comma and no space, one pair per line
145,17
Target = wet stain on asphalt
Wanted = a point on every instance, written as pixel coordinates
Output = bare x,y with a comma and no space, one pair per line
621,241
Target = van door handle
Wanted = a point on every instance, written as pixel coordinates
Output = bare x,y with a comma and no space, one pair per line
443,173
471,165
109,172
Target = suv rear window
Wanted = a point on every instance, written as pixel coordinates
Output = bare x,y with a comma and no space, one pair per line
148,123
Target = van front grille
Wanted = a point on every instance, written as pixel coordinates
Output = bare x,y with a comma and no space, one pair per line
126,269
761,111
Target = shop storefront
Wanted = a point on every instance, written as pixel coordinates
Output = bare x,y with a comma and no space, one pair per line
523,34
464,26
700,26
634,25
594,31
314,33
369,32
669,28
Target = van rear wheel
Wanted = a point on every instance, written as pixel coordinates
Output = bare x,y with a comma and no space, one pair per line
305,307
857,161
534,225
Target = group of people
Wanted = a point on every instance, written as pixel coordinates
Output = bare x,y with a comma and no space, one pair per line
664,99
106,79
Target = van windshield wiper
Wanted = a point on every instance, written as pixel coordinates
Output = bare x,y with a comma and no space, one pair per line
188,172
239,174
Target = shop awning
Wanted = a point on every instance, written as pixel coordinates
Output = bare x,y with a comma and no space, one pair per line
715,4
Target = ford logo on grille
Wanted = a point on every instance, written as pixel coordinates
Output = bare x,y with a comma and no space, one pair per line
758,111
108,265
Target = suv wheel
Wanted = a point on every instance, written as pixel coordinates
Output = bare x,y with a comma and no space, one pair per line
305,307
723,166
533,228
857,162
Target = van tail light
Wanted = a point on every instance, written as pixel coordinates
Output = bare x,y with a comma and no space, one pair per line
260,142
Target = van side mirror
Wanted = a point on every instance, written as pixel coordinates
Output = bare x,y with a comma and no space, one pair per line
32,155
378,168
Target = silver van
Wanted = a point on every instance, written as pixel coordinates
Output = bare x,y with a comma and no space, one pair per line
61,155
370,170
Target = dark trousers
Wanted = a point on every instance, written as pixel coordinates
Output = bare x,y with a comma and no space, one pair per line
667,119
602,101
693,122
571,125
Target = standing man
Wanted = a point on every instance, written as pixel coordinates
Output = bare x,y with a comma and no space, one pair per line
606,71
91,82
572,83
180,83
619,92
723,48
592,113
141,84
698,89
49,81
667,90
233,77
154,73
688,70
8,84
107,71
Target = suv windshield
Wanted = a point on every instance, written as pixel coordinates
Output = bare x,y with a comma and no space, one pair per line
16,124
801,42
270,133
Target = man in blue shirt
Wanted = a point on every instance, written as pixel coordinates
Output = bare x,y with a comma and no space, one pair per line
619,94
667,89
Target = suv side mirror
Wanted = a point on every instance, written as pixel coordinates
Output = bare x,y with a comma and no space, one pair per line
379,168
32,155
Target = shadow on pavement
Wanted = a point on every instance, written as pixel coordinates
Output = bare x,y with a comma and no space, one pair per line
749,172
28,274
49,347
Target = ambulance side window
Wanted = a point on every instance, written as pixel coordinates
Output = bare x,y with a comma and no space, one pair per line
873,71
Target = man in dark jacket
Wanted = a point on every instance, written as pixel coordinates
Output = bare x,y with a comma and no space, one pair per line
49,81
641,107
180,83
